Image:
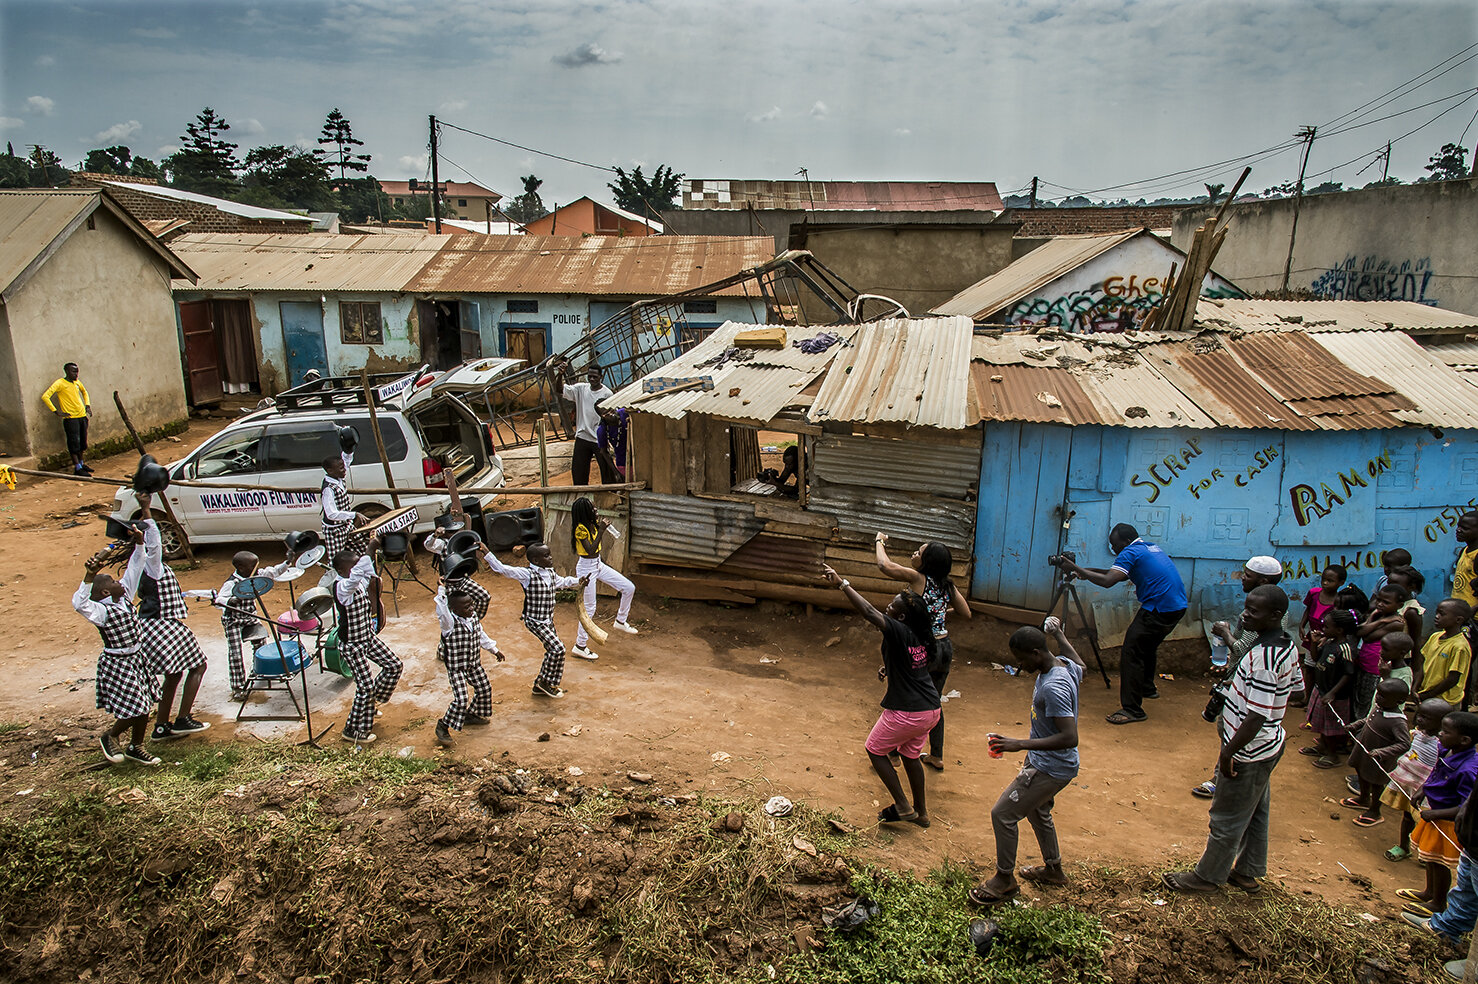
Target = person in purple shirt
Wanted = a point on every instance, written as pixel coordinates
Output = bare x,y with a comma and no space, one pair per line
1452,779
1162,604
611,436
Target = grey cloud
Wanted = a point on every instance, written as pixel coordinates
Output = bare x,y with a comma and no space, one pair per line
117,132
588,53
39,105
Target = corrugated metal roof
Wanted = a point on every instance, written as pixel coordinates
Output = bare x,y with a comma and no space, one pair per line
35,222
416,262
1246,314
311,262
219,204
1212,377
1463,353
913,517
1443,398
770,381
876,196
1035,394
881,463
1297,368
1049,261
633,266
908,370
771,553
688,530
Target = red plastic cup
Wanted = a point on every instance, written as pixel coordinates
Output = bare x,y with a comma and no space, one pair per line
991,747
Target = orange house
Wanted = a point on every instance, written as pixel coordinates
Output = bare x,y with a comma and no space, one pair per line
586,217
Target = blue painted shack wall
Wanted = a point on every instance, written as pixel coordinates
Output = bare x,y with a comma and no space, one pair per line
1212,499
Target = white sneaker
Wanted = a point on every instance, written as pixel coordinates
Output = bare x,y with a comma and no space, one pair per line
580,652
359,739
623,627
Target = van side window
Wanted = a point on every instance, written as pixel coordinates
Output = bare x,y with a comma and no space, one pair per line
303,446
230,454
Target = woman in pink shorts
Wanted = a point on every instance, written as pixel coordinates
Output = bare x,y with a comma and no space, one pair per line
911,704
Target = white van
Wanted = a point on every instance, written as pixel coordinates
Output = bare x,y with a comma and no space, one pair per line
424,422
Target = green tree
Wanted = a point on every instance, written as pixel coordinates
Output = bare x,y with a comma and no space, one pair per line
1385,182
647,197
14,172
294,178
1325,188
206,162
142,167
362,200
528,206
1448,164
338,132
108,160
1213,193
46,170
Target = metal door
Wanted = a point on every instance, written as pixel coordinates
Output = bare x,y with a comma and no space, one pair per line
302,338
471,332
1018,525
202,358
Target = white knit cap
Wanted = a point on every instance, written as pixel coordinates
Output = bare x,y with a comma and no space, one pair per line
1268,566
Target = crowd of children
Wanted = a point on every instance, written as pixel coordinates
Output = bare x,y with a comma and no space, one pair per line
146,642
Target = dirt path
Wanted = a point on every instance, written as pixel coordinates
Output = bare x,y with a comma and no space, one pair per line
746,701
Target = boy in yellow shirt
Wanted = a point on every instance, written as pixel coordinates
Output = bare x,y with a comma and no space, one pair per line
1446,657
67,398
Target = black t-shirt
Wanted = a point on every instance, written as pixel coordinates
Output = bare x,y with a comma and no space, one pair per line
1336,660
907,658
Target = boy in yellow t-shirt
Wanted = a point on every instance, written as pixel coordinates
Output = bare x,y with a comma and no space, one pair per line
68,399
1446,657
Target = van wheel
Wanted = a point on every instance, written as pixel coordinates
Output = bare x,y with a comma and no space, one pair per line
171,539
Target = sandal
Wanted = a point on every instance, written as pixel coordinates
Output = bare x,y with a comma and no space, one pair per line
1205,791
1246,883
1363,821
1398,853
1186,881
1041,874
1410,895
1352,802
891,815
1124,717
1418,909
1327,762
980,895
1311,750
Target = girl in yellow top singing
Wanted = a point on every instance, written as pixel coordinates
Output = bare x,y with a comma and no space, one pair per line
588,534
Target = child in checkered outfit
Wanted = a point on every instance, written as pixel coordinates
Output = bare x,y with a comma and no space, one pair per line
238,614
540,582
125,687
462,643
359,646
170,648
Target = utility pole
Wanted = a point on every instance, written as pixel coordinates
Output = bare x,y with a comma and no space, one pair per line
1306,134
1385,165
435,181
806,176
1034,192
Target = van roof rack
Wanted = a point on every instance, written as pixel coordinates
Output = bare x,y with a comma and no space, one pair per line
334,393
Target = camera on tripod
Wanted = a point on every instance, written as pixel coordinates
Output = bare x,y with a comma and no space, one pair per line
1062,559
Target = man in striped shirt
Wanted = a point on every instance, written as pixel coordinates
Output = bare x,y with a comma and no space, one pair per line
1251,728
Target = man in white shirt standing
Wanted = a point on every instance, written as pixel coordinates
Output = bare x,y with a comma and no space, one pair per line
585,396
1251,728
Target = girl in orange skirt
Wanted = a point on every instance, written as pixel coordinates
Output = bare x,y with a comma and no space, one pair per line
1451,781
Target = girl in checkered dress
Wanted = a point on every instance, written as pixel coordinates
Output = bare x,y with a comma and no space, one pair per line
462,643
239,614
125,687
170,648
539,585
358,644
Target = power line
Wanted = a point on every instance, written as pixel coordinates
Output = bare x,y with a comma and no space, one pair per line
1381,149
1356,111
531,150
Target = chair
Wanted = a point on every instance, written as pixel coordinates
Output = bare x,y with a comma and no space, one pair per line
395,561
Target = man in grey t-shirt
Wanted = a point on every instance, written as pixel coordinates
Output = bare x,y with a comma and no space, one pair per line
1051,763
585,396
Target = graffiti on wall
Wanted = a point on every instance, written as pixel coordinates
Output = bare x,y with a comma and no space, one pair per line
1117,304
1376,279
1310,503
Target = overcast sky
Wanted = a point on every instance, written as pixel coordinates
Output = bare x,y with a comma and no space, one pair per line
1086,95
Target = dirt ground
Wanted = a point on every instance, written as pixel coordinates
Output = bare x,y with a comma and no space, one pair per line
739,702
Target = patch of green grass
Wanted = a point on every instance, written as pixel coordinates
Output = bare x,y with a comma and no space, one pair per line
921,936
6,727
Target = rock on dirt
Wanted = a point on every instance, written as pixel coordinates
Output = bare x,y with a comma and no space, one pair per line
731,823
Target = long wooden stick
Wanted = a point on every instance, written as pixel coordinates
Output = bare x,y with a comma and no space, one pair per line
162,497
183,483
369,401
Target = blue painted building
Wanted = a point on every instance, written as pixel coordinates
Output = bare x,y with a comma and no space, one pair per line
1323,438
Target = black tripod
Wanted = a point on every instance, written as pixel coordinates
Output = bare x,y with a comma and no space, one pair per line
1062,587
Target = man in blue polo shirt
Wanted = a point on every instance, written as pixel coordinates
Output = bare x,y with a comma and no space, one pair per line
1162,603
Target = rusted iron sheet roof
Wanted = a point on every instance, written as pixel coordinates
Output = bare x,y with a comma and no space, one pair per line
1296,367
766,383
468,263
884,463
1247,314
1115,385
771,553
875,196
1442,396
908,370
635,266
310,262
687,530
1053,259
1210,374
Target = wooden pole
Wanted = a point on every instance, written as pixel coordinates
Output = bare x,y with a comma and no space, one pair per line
541,427
163,497
518,490
369,399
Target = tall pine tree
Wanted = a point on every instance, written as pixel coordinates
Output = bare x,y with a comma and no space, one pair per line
207,162
337,131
